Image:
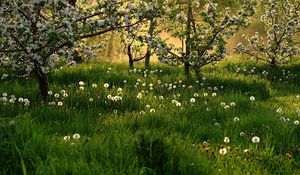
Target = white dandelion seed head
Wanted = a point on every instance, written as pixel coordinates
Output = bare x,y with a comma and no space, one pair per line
255,139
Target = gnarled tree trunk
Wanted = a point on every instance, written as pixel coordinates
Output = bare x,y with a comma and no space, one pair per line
42,80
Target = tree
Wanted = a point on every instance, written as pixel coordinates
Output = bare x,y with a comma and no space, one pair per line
202,36
138,38
279,46
35,35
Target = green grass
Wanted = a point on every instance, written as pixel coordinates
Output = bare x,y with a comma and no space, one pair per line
117,138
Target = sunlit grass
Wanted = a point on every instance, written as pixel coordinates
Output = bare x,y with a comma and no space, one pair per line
164,131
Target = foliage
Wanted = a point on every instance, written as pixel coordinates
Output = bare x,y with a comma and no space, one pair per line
203,40
281,22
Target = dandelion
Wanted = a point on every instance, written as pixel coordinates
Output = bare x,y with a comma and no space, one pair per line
222,104
76,136
60,103
223,151
192,100
196,95
236,119
56,95
20,100
4,94
106,85
296,122
232,104
279,110
148,106
139,96
67,138
226,107
81,88
178,104
91,99
226,139
142,112
242,134
152,110
246,151
205,94
252,98
65,95
214,94
50,93
94,85
115,111
255,139
81,83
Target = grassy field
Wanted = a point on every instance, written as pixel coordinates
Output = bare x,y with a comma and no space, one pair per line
239,117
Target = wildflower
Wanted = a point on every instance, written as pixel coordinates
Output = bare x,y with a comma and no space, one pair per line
152,110
81,88
246,151
226,139
223,104
67,138
226,107
94,85
65,95
76,136
255,139
50,93
205,94
81,83
4,94
142,112
252,98
232,104
192,100
214,94
178,104
20,100
236,119
223,151
115,111
148,106
279,110
106,85
56,95
196,95
91,99
60,103
242,134
139,96
296,122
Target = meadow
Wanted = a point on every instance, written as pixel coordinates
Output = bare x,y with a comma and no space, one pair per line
237,117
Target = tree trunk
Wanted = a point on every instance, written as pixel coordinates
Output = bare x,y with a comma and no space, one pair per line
188,40
43,82
130,57
151,33
147,59
77,58
273,62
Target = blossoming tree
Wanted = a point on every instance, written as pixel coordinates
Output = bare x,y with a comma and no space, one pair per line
36,34
137,40
281,20
202,32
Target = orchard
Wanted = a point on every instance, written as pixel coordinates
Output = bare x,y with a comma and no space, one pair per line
149,87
